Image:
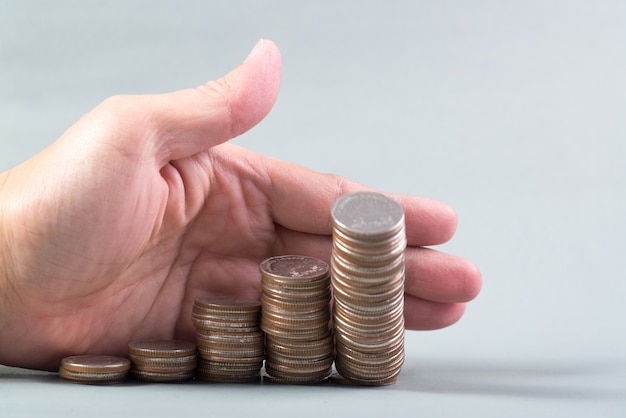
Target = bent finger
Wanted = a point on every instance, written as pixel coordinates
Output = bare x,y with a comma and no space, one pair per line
302,199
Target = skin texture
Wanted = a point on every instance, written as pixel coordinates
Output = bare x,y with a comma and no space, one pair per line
109,235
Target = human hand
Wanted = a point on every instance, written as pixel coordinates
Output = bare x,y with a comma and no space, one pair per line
110,234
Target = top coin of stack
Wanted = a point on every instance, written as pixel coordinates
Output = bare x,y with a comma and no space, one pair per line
295,317
367,270
162,360
230,340
94,369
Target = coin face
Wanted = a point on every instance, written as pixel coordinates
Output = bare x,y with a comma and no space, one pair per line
294,267
367,213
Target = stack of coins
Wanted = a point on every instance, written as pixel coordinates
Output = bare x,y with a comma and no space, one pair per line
162,360
295,317
230,340
94,369
367,269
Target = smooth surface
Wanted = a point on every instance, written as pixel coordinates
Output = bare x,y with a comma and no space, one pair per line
512,112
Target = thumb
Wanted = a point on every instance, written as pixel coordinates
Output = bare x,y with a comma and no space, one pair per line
189,121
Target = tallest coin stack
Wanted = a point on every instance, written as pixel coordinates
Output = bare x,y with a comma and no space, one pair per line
367,274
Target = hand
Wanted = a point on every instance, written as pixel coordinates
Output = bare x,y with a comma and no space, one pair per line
110,234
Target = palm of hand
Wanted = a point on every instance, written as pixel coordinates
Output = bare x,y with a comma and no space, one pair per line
139,208
132,252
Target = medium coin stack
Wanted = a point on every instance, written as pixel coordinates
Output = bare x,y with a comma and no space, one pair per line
162,360
94,369
230,340
295,317
367,269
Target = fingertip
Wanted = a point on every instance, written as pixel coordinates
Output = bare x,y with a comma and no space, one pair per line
265,49
423,315
189,121
472,280
428,221
456,312
250,90
449,222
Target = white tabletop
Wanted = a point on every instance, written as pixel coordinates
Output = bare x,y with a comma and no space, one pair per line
512,113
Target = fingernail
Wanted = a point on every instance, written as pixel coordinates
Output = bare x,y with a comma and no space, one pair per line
255,51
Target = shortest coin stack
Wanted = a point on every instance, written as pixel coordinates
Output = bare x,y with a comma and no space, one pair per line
162,360
230,340
94,369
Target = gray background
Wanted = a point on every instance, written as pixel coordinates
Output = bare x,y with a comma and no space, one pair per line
512,112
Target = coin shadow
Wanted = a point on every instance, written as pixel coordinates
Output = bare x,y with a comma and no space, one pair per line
553,381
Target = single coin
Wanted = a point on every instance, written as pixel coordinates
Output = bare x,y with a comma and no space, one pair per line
164,361
277,351
235,354
315,304
368,246
95,364
208,377
159,377
298,344
301,377
295,267
165,368
207,327
227,368
291,333
227,348
228,358
297,319
237,319
289,284
369,257
367,215
212,324
232,337
92,378
162,348
367,374
227,303
299,366
365,274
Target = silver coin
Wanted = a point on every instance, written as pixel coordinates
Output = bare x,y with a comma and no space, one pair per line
367,214
297,268
367,279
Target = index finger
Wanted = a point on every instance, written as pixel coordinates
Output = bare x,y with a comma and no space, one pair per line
301,200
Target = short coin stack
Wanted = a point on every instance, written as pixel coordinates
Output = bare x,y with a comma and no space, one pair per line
162,360
230,340
367,269
295,317
94,369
